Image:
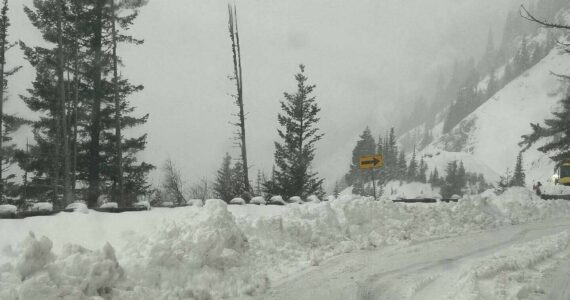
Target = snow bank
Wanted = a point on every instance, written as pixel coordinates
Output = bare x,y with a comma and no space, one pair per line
212,253
77,273
295,199
142,204
195,202
277,200
110,205
7,209
42,206
237,201
78,207
257,201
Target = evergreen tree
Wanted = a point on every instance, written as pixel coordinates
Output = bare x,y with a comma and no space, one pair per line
518,175
522,58
391,165
421,177
260,182
91,104
412,168
492,86
364,146
402,167
8,123
336,191
558,125
238,187
299,133
435,180
223,186
455,180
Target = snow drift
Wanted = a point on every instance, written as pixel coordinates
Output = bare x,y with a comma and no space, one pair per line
220,251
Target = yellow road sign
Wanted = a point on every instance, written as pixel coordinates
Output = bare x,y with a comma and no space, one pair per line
368,162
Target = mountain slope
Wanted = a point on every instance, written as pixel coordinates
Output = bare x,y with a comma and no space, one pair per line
488,138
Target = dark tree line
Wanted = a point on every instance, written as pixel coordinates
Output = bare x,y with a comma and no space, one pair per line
83,105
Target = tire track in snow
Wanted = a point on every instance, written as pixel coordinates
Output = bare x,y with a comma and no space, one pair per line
391,273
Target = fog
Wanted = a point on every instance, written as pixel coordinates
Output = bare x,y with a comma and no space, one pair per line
365,57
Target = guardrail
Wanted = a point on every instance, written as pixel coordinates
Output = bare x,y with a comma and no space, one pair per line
424,200
555,197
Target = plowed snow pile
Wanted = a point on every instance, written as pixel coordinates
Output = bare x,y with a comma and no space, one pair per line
213,252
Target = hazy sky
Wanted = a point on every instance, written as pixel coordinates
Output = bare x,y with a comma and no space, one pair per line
364,56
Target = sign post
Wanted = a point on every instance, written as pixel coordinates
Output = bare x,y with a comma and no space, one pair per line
371,162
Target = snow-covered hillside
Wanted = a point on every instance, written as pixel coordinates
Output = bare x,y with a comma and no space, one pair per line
487,140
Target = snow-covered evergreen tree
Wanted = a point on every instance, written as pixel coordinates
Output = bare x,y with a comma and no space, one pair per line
518,174
412,168
223,187
299,134
364,146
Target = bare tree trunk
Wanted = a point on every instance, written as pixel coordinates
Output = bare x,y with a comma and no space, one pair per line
118,142
236,50
3,34
94,146
76,80
62,108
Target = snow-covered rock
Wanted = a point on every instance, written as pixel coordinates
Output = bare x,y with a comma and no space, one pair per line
195,202
313,199
7,209
295,199
42,206
109,205
78,206
237,201
277,200
257,201
167,204
142,204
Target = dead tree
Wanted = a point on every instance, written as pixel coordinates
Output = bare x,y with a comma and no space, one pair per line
238,77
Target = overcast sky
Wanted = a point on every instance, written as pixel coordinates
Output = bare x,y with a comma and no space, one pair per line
364,56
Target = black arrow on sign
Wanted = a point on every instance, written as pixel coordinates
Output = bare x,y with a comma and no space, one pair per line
373,162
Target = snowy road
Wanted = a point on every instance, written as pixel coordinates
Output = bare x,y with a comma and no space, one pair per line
525,261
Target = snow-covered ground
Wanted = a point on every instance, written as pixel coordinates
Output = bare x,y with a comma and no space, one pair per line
248,251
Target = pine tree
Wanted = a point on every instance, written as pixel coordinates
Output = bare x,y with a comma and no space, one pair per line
391,165
402,167
223,186
336,190
172,183
518,175
421,177
299,133
558,125
8,123
522,58
365,146
412,168
455,180
259,183
238,187
434,178
93,130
